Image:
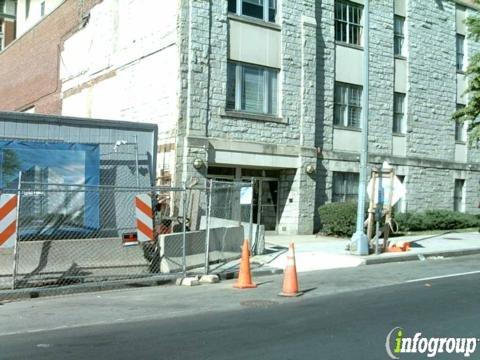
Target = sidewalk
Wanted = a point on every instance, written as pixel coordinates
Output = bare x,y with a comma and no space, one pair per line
322,252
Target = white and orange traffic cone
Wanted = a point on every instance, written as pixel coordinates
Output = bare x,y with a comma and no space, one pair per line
290,281
244,276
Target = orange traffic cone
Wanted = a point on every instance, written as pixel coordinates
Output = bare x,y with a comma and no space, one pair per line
245,277
290,281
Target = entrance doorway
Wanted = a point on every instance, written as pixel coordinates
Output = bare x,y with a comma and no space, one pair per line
265,203
265,191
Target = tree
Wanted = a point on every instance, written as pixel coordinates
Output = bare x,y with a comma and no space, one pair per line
470,113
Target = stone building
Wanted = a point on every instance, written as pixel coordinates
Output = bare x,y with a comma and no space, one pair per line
266,89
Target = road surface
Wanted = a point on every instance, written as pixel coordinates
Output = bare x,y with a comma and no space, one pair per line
349,319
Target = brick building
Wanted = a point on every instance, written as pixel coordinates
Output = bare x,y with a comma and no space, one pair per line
265,89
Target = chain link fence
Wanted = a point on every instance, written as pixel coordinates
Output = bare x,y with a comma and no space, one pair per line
228,217
69,236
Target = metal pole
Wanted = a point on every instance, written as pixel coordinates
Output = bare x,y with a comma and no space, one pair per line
359,238
15,248
250,230
378,209
207,236
184,235
136,161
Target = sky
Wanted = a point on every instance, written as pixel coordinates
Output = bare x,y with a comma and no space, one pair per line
70,164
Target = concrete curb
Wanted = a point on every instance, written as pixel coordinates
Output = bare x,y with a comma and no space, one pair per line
255,272
32,293
415,256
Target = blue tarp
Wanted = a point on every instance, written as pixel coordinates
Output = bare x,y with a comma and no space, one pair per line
53,162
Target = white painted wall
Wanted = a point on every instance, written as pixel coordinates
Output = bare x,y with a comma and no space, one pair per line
25,23
400,76
346,140
254,44
401,7
124,65
461,87
461,153
399,146
348,65
460,20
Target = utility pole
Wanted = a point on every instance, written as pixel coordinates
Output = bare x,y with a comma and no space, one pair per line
359,239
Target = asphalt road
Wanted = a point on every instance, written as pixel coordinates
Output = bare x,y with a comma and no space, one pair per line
347,325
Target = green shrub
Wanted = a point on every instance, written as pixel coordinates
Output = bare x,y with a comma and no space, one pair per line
436,220
338,219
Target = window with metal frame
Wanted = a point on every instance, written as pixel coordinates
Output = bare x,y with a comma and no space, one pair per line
344,186
348,22
252,89
348,105
399,123
458,195
399,35
460,52
460,131
265,10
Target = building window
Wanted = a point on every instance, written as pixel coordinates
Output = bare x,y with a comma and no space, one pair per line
399,35
348,22
27,9
42,9
344,187
252,89
458,195
399,123
460,52
400,205
261,9
1,35
460,131
348,105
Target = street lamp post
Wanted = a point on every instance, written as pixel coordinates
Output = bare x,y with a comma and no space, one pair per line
359,239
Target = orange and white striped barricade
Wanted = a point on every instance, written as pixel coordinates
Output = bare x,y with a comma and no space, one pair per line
8,220
144,217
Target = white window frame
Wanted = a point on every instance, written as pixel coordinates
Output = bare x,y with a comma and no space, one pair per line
399,36
267,72
397,114
349,25
346,120
266,7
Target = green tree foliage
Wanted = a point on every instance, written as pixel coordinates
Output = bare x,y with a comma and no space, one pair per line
470,113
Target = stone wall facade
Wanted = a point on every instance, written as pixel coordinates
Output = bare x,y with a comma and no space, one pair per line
172,71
